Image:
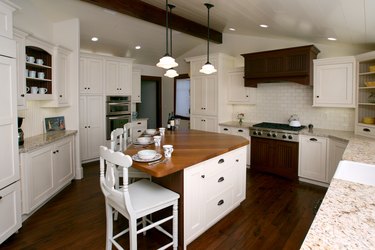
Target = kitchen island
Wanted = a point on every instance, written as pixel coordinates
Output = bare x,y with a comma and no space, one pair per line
207,169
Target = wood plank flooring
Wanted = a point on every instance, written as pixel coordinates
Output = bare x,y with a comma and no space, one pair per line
276,214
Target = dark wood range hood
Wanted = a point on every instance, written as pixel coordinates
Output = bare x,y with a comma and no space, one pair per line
282,65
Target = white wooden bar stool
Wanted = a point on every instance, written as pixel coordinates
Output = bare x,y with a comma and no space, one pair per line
134,201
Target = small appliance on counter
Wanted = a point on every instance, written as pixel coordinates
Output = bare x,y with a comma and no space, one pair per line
294,121
20,132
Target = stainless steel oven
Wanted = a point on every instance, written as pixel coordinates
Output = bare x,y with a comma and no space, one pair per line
118,113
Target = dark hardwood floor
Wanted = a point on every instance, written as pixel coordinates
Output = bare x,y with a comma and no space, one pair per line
276,214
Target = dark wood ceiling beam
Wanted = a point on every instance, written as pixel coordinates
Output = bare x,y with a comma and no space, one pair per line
150,13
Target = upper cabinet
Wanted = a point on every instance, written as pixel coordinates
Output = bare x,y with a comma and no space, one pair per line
334,82
136,88
118,77
204,95
237,92
91,74
290,65
365,111
6,20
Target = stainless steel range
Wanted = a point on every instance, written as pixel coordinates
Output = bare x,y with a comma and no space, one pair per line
274,149
276,131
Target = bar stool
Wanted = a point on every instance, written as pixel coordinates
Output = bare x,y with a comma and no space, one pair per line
134,201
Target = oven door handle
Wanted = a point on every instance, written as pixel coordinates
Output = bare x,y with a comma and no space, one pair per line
118,103
118,117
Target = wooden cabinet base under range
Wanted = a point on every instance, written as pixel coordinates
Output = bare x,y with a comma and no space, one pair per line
212,189
45,171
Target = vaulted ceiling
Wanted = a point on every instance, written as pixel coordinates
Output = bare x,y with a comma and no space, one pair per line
350,21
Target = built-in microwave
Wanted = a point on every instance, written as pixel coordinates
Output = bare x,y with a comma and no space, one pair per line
118,105
118,113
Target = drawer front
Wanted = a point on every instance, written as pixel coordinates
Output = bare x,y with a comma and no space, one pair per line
365,130
140,123
218,206
219,182
225,130
244,132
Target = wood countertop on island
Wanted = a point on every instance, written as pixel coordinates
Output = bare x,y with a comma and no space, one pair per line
190,147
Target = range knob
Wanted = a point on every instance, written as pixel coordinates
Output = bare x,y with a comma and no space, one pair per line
290,137
274,134
284,136
255,133
259,133
268,134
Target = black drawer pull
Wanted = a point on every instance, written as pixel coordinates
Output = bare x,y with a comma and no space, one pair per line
240,130
237,160
139,131
225,129
221,202
221,161
1,197
366,130
220,179
313,139
139,123
203,176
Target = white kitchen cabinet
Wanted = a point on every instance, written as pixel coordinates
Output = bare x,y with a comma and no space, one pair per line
118,77
334,82
244,132
336,149
237,92
313,158
91,74
205,123
19,37
6,20
45,171
136,88
204,95
10,210
91,126
138,128
211,190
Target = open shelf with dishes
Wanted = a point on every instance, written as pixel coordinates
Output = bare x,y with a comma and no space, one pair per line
38,73
365,112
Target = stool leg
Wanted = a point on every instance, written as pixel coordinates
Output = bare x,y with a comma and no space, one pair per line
175,226
144,224
109,223
133,234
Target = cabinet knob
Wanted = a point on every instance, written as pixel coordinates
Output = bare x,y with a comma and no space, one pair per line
57,151
237,160
85,126
22,95
1,197
203,176
247,96
221,202
317,96
88,126
60,95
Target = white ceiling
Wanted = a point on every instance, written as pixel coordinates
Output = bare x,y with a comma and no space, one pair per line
350,21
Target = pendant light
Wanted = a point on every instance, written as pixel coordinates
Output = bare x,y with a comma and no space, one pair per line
208,68
166,62
171,73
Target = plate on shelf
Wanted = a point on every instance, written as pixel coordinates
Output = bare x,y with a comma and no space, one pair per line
136,158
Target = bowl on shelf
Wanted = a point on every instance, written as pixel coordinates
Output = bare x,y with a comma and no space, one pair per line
370,84
150,131
144,140
146,154
368,120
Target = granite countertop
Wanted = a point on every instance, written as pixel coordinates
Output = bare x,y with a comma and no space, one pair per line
37,141
346,218
236,124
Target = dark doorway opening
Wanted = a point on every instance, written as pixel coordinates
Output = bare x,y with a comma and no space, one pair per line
150,107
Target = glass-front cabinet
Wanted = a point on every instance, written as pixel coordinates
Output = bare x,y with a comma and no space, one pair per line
365,112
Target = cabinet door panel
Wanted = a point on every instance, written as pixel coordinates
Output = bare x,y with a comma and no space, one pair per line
313,158
197,104
94,75
136,88
63,76
125,78
63,163
111,77
210,95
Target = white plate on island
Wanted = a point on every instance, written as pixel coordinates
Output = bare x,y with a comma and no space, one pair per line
146,143
136,158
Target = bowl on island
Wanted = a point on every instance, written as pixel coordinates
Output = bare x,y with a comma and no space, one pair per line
144,140
146,154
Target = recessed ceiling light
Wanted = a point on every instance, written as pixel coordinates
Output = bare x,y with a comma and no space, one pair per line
94,39
232,29
331,38
264,25
137,47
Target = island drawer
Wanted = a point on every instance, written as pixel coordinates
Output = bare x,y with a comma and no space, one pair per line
218,206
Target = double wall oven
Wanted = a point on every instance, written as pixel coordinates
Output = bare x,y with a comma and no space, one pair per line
118,113
274,149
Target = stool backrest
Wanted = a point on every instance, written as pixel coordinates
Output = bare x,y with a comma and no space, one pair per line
117,139
128,135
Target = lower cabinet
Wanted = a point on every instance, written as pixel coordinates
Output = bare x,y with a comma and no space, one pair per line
45,171
336,149
10,210
204,123
244,132
138,128
313,158
211,190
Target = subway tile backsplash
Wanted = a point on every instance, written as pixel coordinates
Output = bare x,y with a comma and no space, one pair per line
276,102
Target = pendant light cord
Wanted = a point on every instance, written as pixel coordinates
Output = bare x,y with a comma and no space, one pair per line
208,5
166,27
171,6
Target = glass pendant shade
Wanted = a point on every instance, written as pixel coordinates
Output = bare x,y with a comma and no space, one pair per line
208,68
171,73
167,62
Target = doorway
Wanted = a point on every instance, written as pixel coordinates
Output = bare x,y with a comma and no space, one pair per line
150,107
